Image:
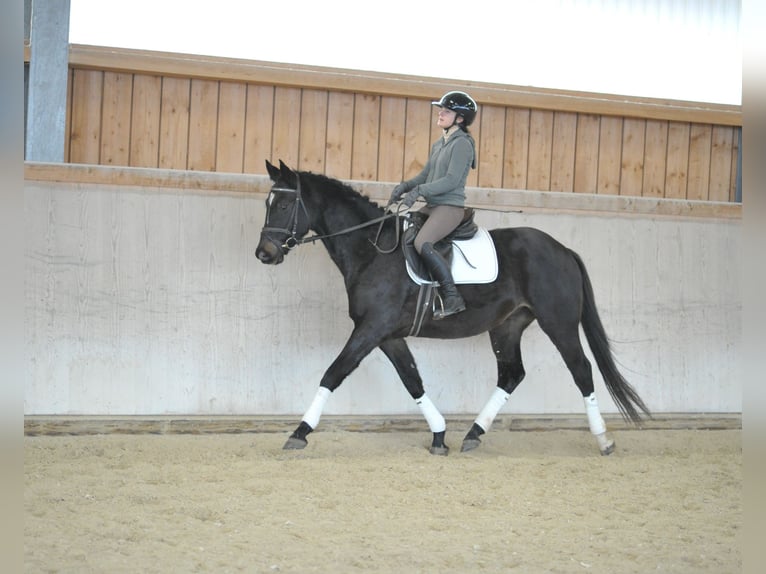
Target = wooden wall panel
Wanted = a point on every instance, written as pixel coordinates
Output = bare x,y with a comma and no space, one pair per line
678,160
563,152
232,123
174,123
586,153
700,143
287,126
734,164
145,121
655,158
417,141
230,136
393,123
313,130
203,124
516,160
85,132
364,161
115,118
491,146
259,125
540,150
340,135
609,156
632,162
720,163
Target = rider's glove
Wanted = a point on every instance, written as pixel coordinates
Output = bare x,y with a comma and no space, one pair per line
398,192
411,197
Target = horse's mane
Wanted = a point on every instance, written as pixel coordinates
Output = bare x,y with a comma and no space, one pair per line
336,190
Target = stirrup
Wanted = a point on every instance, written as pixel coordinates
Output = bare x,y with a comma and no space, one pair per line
443,312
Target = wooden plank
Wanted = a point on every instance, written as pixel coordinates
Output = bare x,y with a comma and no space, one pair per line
287,126
678,160
491,147
586,153
115,118
609,156
632,164
734,165
720,163
655,158
366,114
230,140
145,121
540,150
203,121
259,113
340,135
313,131
174,123
393,119
700,143
516,155
563,152
417,142
70,105
85,135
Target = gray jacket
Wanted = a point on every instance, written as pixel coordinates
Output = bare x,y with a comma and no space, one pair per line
442,179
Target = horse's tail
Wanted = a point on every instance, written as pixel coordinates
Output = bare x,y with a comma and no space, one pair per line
624,395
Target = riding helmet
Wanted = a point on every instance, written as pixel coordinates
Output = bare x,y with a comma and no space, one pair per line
460,103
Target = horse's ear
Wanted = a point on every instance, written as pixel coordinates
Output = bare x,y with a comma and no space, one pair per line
288,175
273,171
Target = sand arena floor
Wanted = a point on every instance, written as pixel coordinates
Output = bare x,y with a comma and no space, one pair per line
530,501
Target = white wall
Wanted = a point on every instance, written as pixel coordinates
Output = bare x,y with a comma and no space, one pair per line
149,300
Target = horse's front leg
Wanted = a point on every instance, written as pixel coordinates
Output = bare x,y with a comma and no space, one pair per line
358,346
400,356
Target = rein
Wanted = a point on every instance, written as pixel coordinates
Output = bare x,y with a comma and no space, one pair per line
293,240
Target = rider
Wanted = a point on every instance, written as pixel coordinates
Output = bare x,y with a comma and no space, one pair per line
441,183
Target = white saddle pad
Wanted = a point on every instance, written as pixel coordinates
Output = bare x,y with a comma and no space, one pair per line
473,260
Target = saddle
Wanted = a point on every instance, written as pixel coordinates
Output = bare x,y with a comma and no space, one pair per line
475,261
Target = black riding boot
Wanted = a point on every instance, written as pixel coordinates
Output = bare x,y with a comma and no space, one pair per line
440,271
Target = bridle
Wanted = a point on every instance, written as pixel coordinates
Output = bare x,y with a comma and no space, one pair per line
292,232
293,238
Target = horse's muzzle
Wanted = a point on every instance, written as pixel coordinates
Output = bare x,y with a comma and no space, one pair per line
269,251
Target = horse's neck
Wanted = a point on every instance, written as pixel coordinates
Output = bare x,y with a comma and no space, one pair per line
351,251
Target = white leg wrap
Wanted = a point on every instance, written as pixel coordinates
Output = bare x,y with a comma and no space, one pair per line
596,423
434,418
489,412
312,415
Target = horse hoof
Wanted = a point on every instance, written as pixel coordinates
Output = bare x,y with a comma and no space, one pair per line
295,443
609,449
439,450
470,444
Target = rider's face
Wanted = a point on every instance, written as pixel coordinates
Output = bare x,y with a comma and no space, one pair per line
446,118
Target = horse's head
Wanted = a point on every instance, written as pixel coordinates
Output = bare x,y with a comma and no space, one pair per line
287,220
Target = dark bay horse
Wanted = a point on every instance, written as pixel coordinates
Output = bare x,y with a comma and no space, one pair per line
538,279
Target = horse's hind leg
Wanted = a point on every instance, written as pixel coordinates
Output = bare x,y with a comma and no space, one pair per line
506,344
565,336
400,356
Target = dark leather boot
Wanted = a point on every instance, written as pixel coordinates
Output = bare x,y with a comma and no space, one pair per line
452,301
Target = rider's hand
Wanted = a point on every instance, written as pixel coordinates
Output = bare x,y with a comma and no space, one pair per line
398,192
411,197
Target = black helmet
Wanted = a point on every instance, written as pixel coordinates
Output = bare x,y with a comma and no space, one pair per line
460,103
